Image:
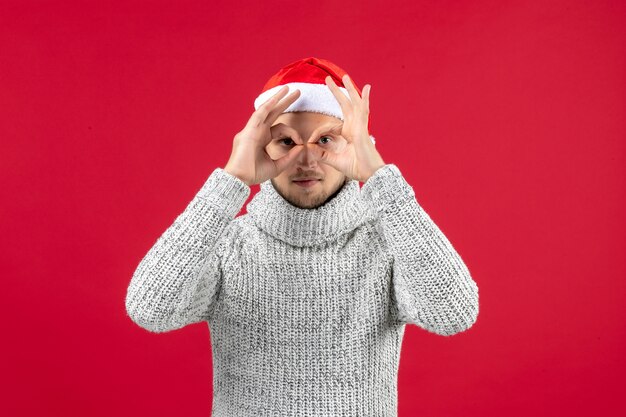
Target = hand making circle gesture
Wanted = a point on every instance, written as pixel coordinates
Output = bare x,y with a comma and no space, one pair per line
249,160
359,159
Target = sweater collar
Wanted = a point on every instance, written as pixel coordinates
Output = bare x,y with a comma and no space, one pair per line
308,227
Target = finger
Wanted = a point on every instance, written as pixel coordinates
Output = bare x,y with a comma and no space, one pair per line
282,130
260,114
344,102
354,95
280,107
366,96
366,99
286,161
329,158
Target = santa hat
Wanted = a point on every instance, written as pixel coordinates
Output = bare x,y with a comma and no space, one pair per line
308,75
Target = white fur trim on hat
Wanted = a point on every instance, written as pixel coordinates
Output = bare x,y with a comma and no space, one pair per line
315,98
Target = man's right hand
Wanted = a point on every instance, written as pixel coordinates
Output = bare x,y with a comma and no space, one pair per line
249,160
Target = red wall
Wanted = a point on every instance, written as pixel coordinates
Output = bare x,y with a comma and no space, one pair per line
507,118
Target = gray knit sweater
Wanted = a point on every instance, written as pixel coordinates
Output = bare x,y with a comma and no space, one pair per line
306,307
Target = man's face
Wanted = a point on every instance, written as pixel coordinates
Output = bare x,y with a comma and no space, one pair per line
306,128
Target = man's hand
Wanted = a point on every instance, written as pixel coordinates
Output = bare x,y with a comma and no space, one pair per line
359,159
249,160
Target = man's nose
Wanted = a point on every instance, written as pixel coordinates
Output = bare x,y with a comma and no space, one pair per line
307,156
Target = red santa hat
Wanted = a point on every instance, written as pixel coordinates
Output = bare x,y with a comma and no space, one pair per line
308,75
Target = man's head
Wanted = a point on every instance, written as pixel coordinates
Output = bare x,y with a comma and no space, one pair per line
314,118
307,129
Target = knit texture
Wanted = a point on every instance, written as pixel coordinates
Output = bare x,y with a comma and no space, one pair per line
306,307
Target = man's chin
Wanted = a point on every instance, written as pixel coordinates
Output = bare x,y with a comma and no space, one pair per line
308,201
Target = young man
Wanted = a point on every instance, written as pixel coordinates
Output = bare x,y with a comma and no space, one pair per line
307,295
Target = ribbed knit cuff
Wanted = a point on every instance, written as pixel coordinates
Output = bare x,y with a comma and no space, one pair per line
386,187
225,192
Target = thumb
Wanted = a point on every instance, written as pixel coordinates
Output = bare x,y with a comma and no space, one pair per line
286,161
329,158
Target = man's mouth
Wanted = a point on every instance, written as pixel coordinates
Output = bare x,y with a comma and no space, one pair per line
306,183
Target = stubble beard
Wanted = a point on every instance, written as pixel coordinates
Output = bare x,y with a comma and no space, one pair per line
308,200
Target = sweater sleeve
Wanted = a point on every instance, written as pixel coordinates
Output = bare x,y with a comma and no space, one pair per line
432,285
177,281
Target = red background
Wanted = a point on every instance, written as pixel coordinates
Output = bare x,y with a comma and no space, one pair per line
507,118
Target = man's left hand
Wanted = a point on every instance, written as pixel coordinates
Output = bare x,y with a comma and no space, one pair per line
359,159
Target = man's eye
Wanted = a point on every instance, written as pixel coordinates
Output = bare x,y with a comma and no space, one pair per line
326,137
285,139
